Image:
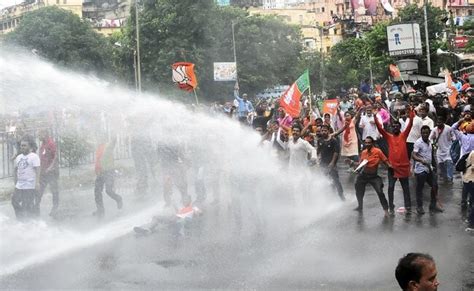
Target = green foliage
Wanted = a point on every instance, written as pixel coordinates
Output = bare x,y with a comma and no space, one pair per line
73,149
349,61
468,28
200,32
62,37
347,64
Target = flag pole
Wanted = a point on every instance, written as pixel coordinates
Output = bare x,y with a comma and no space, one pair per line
196,96
404,85
310,102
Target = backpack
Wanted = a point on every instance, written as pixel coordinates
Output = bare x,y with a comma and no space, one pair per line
461,164
455,151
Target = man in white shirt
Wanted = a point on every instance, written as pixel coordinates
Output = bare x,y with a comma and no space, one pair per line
419,121
345,104
422,155
367,124
298,149
27,167
442,137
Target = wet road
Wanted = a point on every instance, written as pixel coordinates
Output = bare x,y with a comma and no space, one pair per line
335,250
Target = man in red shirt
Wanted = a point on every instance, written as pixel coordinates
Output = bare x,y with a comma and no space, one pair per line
105,171
368,175
399,159
49,171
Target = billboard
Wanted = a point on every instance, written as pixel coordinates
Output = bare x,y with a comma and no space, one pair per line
225,71
404,39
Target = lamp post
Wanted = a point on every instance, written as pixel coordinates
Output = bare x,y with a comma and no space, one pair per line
135,72
137,60
428,58
321,56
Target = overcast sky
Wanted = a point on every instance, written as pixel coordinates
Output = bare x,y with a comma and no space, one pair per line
5,3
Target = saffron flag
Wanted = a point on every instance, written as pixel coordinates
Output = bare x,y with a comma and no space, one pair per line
183,76
290,100
394,71
450,89
330,106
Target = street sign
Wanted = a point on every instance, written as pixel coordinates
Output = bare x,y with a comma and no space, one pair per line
404,39
460,41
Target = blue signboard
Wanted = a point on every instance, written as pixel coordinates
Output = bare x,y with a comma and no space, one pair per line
223,2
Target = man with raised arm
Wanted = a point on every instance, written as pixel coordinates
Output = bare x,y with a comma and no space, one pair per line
399,159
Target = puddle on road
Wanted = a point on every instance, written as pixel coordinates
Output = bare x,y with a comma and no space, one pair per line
176,263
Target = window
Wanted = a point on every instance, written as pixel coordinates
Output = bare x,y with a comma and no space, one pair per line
301,19
332,12
310,43
57,1
322,9
469,12
64,1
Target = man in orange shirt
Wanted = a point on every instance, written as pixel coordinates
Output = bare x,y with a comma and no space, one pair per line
399,159
368,175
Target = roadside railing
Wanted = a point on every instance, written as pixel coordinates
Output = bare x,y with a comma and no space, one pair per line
10,146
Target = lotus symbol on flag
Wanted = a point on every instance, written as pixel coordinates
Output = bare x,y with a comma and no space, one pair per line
183,75
289,94
179,75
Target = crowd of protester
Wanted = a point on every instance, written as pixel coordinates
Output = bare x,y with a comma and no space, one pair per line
421,140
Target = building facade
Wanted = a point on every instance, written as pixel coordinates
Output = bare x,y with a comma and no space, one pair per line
317,34
11,16
105,16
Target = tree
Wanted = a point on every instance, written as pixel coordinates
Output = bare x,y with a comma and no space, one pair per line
352,59
201,32
347,64
62,37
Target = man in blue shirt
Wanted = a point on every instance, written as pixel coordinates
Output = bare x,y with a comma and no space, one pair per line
457,84
245,106
365,87
424,172
466,140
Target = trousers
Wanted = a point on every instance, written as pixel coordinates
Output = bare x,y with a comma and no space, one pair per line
391,188
377,183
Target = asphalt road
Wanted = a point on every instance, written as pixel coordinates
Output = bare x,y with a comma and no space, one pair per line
323,245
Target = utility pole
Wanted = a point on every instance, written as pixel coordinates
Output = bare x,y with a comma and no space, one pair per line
137,28
428,57
235,54
135,69
371,74
321,71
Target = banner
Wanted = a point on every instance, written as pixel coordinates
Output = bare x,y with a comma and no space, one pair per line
183,76
330,106
225,71
290,100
